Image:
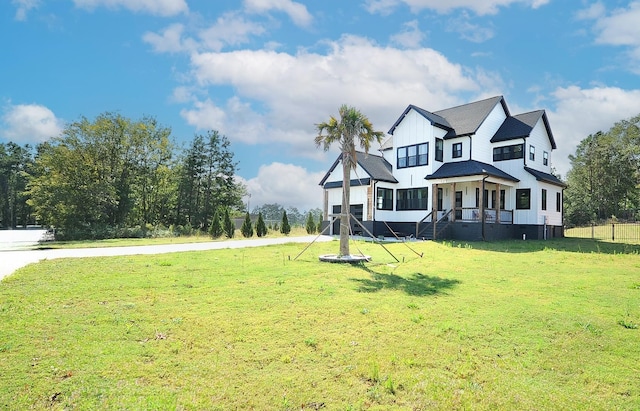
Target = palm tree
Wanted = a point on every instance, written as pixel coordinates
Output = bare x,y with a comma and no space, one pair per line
352,127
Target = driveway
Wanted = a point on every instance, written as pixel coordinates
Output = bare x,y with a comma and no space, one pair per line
11,259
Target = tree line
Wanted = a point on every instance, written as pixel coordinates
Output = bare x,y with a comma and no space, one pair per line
604,179
116,177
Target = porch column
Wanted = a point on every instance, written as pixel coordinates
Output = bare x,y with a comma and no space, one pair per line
498,205
453,202
434,207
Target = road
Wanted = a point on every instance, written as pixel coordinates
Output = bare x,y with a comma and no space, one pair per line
12,259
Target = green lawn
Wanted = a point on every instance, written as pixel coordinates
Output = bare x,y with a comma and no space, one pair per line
508,325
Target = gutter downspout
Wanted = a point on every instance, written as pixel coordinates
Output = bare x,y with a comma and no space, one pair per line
524,150
470,147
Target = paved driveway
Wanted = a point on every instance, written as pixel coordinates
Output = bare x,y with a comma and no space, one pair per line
11,260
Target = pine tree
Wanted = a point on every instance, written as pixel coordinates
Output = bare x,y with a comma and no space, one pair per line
229,226
216,230
311,225
319,225
247,227
261,227
285,228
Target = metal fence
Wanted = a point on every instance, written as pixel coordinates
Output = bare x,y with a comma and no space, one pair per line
626,232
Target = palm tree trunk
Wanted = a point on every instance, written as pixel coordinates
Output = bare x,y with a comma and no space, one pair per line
345,225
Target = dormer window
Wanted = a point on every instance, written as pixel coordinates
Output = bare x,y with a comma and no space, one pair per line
456,150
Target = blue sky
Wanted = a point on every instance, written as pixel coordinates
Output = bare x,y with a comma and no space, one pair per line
263,72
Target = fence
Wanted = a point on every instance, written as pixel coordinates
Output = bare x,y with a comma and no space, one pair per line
629,232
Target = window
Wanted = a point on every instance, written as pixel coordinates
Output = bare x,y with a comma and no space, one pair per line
456,151
545,158
544,199
558,202
523,199
502,197
384,199
439,149
439,199
532,153
413,156
507,152
412,199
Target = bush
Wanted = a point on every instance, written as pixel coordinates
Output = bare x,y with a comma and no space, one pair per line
216,230
229,226
261,227
285,228
247,228
311,225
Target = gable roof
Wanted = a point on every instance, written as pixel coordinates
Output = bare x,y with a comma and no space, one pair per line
466,119
469,168
435,119
377,167
520,126
545,177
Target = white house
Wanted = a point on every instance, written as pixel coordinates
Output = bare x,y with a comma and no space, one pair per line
469,172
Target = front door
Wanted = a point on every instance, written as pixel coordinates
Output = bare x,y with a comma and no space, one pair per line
458,205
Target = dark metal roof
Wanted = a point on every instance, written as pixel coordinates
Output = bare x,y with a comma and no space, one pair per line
546,177
520,126
432,117
377,167
467,118
469,168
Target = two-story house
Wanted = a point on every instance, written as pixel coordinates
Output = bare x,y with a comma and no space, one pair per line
469,172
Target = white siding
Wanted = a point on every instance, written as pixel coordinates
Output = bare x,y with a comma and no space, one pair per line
540,140
481,146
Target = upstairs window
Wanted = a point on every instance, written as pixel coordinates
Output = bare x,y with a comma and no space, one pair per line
439,149
532,153
545,158
507,152
456,150
413,156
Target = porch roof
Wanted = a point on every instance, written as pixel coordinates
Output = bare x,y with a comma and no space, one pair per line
469,168
545,177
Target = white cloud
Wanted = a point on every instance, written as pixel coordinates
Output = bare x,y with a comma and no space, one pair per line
410,36
480,7
30,123
469,31
290,93
23,7
278,181
621,27
155,7
297,12
580,112
170,40
230,29
236,120
618,28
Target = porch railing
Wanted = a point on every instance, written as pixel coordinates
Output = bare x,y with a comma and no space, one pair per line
473,214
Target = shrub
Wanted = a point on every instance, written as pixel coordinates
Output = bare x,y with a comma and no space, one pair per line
216,230
247,227
229,226
261,227
311,225
285,228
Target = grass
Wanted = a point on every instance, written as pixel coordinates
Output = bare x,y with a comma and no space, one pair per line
127,242
506,325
